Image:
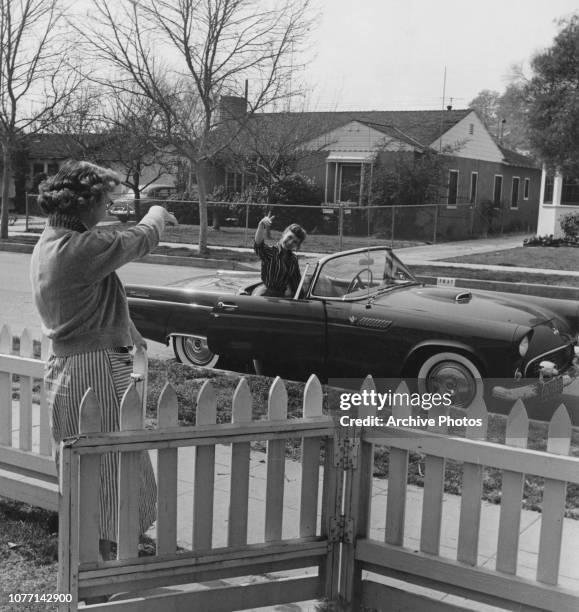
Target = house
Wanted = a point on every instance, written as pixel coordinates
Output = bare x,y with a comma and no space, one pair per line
485,183
43,154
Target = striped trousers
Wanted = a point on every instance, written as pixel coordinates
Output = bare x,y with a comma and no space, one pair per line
108,374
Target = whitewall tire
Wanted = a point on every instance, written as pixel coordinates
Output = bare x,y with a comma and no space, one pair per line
194,351
451,373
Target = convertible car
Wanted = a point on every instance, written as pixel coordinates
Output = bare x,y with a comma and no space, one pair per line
363,312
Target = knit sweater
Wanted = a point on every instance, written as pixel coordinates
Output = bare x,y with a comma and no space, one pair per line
81,300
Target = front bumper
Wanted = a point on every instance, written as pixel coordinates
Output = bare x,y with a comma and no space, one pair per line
547,387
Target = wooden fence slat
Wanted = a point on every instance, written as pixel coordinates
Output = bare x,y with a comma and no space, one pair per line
25,425
512,494
554,494
45,436
167,471
472,481
397,476
89,486
141,370
241,412
433,492
204,486
357,499
131,418
312,407
6,390
277,411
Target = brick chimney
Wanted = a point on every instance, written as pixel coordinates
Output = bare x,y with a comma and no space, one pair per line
232,107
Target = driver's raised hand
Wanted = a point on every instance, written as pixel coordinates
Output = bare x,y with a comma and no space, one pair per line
267,220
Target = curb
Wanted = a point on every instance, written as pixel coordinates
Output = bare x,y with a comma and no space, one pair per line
166,260
549,291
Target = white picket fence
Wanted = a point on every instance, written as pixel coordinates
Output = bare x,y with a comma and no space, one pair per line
342,547
27,470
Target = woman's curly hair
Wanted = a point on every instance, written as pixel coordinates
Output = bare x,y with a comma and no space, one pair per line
76,186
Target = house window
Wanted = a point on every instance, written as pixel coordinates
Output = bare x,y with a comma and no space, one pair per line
549,185
473,186
515,192
452,187
498,190
526,188
570,190
233,181
37,168
471,128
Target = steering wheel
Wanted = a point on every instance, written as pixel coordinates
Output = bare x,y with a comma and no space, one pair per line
357,282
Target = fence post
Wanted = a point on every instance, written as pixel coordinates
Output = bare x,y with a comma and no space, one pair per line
340,224
392,226
435,223
26,208
246,222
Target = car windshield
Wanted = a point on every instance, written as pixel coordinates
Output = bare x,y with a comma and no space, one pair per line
354,275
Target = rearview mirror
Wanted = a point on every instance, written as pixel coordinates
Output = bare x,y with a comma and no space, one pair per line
365,261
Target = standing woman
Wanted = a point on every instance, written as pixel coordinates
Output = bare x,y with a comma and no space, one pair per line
85,313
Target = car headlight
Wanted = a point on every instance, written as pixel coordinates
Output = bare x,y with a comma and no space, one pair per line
524,346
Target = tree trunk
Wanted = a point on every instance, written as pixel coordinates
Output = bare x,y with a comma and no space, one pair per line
202,186
136,190
6,173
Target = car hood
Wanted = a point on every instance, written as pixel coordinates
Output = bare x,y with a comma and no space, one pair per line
450,302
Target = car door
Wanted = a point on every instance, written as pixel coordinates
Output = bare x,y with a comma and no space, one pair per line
287,335
363,339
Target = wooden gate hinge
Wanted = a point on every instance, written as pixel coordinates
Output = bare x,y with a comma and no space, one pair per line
341,530
346,455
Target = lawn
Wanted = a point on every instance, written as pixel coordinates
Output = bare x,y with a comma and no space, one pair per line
238,237
551,258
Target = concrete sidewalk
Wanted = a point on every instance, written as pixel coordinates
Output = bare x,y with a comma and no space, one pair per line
529,530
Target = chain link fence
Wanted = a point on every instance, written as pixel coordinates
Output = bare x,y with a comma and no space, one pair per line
330,227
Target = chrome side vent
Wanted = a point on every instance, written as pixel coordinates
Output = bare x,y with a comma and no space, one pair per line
463,298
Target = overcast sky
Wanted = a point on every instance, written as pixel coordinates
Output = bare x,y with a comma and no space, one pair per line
391,54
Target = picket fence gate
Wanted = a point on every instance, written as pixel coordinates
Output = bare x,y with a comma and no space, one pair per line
341,546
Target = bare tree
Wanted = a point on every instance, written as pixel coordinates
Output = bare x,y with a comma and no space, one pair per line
210,49
35,77
135,140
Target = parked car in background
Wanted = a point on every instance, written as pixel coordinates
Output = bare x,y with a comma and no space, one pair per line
124,206
362,312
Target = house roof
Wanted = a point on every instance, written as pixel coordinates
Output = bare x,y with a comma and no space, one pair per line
422,127
60,146
512,158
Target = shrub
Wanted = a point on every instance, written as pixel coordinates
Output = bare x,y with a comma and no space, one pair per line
570,226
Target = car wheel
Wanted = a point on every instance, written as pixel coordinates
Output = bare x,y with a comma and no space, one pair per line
122,218
451,373
193,350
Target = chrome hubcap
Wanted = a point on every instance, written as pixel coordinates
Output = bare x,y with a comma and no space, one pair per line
454,379
197,350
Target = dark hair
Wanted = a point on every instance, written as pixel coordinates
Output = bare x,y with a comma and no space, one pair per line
77,185
297,230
